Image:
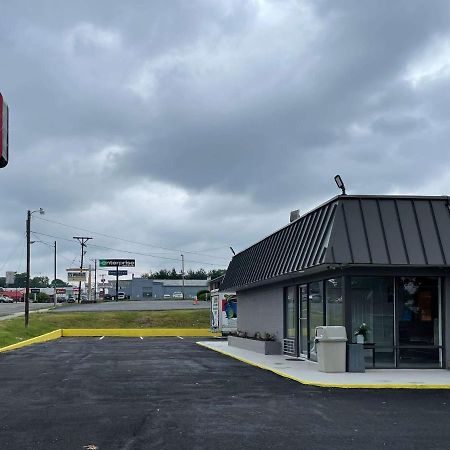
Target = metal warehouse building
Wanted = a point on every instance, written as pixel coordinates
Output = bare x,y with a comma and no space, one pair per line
147,289
378,260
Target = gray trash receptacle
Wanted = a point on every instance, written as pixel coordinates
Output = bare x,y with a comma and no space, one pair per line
355,358
331,344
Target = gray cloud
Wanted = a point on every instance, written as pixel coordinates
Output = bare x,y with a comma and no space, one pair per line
199,125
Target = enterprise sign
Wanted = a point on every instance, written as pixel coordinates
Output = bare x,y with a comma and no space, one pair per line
117,262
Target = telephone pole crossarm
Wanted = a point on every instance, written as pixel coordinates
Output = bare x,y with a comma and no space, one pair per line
82,240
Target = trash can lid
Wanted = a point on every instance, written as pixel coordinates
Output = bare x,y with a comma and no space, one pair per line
331,333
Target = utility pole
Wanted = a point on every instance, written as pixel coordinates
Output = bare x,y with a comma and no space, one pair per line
82,240
27,285
182,272
54,285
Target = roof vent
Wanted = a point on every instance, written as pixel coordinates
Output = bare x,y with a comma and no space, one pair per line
294,215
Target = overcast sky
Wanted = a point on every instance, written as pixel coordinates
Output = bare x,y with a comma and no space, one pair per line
190,126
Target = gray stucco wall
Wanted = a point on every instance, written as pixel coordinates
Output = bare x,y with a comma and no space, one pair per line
446,321
261,310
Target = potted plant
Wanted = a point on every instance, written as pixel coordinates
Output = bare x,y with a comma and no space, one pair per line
361,333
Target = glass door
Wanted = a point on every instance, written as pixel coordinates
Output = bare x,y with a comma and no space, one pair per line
418,318
316,319
303,320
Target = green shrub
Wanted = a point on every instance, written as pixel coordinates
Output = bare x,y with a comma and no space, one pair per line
203,295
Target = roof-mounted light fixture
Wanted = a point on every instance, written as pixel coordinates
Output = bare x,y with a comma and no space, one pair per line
340,183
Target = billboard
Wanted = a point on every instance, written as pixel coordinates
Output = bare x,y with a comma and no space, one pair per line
76,276
4,126
60,290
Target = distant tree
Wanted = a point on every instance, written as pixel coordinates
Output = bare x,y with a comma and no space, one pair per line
58,283
214,273
42,297
20,280
39,282
199,274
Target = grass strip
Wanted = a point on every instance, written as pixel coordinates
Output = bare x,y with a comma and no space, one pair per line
13,330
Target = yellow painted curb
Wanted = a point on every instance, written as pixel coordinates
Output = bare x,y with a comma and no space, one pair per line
329,385
112,332
137,332
42,338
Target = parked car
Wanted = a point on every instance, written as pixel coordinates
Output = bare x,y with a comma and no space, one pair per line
167,296
107,297
177,295
121,296
4,299
71,299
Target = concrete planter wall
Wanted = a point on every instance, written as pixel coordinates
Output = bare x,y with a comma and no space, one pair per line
263,347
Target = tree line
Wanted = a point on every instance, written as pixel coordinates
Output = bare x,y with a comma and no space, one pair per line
20,280
200,274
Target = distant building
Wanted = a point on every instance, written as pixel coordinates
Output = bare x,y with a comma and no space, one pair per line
147,289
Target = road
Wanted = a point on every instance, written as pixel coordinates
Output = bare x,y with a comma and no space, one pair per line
152,305
168,393
9,309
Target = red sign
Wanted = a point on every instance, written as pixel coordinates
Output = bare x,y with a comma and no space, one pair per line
4,138
75,290
60,290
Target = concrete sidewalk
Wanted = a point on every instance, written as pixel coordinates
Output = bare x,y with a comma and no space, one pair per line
306,372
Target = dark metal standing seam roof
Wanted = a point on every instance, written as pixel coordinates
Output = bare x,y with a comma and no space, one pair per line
382,230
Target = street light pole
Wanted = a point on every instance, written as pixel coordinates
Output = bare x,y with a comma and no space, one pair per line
95,281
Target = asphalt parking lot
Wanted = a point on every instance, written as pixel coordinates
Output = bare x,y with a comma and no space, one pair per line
169,393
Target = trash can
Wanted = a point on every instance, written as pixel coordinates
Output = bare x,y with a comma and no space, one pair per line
331,345
355,358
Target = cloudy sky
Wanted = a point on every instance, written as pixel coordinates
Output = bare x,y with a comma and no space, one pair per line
168,126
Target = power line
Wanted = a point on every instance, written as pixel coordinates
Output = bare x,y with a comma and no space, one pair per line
129,241
128,251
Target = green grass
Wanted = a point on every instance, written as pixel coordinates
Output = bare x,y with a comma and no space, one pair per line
13,330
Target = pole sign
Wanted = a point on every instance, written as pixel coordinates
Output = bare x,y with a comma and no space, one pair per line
120,273
76,276
10,277
4,137
60,290
35,290
117,262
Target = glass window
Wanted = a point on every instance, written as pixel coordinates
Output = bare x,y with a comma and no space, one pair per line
290,313
372,303
315,299
335,305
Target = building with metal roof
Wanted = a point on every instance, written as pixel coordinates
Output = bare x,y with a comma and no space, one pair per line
379,260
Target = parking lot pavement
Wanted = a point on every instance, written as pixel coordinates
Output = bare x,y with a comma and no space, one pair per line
169,393
139,305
